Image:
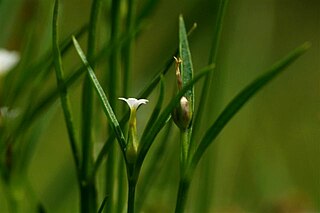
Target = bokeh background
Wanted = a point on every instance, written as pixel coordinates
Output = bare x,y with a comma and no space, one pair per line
266,159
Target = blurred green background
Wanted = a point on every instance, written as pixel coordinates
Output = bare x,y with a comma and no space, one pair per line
266,160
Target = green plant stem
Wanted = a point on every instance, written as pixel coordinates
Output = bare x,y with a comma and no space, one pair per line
87,187
112,80
184,143
88,197
184,182
131,195
182,196
127,73
63,89
129,47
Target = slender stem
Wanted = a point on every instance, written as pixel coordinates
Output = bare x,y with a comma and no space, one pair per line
129,47
65,104
122,185
182,196
131,195
184,182
184,143
127,67
88,197
87,185
110,177
112,85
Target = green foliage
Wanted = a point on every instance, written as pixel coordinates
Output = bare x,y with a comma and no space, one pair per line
109,177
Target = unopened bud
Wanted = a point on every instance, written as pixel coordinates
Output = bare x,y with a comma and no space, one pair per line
182,115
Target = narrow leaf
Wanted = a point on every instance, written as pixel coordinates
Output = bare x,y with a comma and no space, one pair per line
186,66
103,98
236,104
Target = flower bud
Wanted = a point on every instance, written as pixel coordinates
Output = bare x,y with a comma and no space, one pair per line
182,115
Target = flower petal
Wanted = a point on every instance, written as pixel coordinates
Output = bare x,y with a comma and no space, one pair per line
134,103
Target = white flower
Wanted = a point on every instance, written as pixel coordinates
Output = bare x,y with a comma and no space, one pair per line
134,103
132,139
8,59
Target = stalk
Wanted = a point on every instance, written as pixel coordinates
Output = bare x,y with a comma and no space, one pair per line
112,80
131,195
88,202
184,185
127,74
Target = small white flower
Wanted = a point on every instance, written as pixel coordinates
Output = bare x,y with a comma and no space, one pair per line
132,139
134,103
8,59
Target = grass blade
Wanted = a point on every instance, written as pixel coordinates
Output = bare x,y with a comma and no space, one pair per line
206,88
186,66
103,98
63,89
236,104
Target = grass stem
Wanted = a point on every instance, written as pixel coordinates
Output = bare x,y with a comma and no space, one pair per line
184,185
131,195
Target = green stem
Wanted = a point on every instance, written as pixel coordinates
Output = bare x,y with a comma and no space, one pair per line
87,186
65,104
182,196
129,47
88,197
110,177
131,195
184,143
122,185
184,182
112,81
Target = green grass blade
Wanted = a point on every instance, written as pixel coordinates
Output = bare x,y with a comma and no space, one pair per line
217,31
212,59
165,115
63,89
186,66
129,47
186,76
236,104
103,98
